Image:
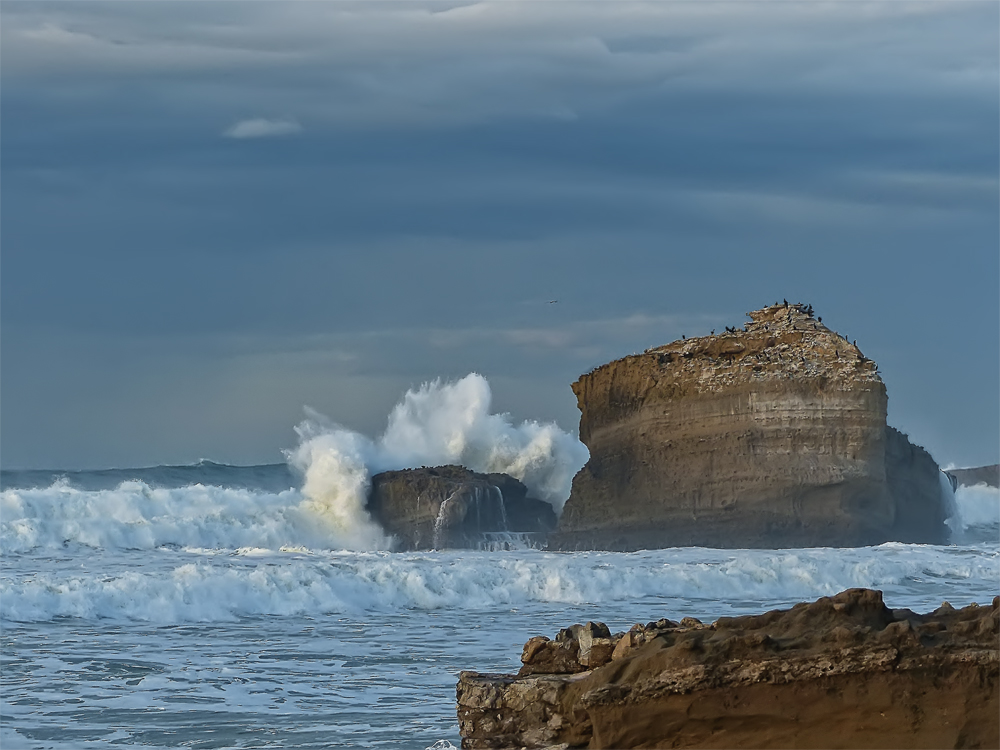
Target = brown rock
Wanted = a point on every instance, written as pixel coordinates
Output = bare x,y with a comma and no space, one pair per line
625,644
843,671
550,657
770,436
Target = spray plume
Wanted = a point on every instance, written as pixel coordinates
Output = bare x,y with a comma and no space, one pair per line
438,423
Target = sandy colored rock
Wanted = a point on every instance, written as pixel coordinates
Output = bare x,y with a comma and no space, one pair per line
773,435
844,671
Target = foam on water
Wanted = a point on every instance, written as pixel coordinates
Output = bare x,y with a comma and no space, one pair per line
182,586
975,507
136,516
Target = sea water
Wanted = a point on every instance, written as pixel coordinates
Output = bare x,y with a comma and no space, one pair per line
201,607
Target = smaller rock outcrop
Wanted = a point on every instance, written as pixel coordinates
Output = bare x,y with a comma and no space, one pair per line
453,507
843,671
988,475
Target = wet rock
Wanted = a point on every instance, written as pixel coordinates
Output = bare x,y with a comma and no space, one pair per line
451,506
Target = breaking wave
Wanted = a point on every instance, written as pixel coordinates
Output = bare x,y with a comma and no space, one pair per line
209,586
976,515
436,424
137,516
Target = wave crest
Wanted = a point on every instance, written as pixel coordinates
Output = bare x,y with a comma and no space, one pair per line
438,423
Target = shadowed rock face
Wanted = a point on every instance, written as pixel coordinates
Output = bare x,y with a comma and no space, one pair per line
452,507
769,436
914,480
844,671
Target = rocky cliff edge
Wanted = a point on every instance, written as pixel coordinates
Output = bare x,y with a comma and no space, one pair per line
844,671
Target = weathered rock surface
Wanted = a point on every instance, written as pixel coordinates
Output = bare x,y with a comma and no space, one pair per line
770,436
844,671
915,482
451,506
988,475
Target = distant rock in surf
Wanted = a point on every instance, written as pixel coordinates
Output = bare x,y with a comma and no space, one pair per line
453,507
773,435
988,475
844,671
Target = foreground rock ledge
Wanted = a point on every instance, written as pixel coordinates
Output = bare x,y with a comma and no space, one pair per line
844,671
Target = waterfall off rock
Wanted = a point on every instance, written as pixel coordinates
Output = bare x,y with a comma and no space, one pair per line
448,507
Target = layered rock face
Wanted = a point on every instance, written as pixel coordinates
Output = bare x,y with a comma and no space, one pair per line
773,435
451,506
844,671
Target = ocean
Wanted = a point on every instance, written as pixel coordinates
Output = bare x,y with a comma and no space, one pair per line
214,606
194,607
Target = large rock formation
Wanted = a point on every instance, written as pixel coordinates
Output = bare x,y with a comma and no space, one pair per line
451,506
844,671
773,435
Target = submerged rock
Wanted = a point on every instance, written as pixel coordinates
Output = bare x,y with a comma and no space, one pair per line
773,435
844,671
451,506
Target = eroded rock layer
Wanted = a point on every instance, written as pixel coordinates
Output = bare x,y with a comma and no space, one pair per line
451,506
773,435
844,671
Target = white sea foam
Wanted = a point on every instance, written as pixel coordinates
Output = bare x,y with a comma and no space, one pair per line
976,507
438,423
183,587
136,516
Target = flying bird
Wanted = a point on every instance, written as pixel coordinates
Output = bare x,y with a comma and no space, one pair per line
553,301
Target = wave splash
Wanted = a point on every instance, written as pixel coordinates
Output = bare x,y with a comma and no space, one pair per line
975,514
208,586
135,516
438,423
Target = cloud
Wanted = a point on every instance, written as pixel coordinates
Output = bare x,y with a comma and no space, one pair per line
406,64
261,127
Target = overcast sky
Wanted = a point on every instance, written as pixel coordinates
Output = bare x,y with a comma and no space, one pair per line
217,213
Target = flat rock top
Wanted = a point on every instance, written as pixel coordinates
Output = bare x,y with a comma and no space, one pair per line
855,623
843,671
850,632
780,341
449,474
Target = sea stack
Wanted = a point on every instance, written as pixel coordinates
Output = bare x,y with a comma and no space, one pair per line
773,435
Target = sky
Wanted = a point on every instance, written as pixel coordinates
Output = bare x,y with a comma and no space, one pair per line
215,214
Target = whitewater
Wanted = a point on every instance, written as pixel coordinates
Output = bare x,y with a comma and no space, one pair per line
213,606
